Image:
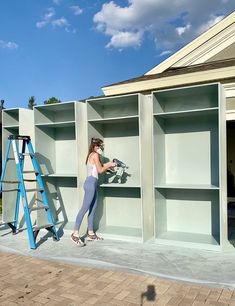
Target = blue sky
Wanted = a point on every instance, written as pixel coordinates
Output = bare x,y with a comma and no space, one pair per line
71,48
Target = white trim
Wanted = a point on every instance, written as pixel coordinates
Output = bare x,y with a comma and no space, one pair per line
229,90
195,44
210,48
172,81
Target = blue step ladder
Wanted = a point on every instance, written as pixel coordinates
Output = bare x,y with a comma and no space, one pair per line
14,142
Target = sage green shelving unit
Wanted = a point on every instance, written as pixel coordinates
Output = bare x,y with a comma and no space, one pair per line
56,145
189,130
15,121
116,120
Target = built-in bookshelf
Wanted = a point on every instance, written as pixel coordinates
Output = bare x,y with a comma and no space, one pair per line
187,125
15,121
56,144
116,120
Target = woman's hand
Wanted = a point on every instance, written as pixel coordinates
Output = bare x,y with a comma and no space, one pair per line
112,164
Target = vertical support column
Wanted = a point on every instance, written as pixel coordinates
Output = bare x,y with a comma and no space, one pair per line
82,149
146,157
223,169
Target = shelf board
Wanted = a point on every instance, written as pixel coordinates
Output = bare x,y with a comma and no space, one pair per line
119,185
122,233
56,124
62,106
15,126
195,112
187,186
115,119
188,237
59,175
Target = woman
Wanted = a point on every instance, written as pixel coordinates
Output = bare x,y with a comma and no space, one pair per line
94,167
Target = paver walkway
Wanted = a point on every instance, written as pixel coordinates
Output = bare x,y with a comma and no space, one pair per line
26,280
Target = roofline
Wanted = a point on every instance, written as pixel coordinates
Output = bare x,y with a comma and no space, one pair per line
179,70
196,77
211,32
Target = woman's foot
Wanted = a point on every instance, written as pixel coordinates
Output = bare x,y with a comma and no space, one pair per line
93,237
77,240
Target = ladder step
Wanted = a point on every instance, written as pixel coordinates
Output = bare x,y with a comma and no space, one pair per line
29,180
37,207
10,182
38,228
9,190
30,171
26,154
11,158
18,137
34,189
18,182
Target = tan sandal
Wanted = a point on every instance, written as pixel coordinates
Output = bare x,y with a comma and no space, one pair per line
93,237
77,240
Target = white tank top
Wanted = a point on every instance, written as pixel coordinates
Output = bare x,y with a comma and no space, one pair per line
91,170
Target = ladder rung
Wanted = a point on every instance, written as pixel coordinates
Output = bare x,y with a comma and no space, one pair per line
36,189
29,180
18,137
37,228
30,171
10,182
33,208
9,190
10,158
26,154
17,182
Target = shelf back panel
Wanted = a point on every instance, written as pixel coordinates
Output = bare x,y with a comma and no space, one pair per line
55,113
187,211
10,117
121,142
113,107
191,98
120,207
63,200
187,151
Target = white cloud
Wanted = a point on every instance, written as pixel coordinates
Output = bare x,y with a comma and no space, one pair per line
50,13
49,19
181,30
170,25
57,2
122,40
76,9
166,52
61,22
8,45
212,21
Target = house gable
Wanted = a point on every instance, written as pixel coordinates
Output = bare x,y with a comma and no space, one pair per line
215,44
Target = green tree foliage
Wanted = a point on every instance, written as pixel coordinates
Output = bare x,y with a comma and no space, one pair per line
52,100
31,102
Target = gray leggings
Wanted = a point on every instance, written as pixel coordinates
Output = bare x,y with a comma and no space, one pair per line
89,202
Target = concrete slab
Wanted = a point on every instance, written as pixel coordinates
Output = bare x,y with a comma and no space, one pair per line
171,262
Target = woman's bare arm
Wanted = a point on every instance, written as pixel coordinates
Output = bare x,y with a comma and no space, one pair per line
101,168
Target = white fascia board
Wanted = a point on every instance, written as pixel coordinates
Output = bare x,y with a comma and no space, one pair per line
212,47
196,43
172,81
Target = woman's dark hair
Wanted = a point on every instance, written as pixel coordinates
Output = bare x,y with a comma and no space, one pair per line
94,142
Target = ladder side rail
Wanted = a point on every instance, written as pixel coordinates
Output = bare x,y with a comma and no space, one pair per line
24,196
17,208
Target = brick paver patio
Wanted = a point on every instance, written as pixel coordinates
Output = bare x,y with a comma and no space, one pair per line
30,281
